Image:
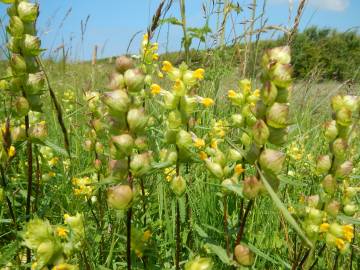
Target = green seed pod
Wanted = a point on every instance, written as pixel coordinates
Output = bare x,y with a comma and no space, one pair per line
344,169
339,148
35,103
351,103
283,94
252,187
278,136
37,231
124,144
281,75
337,103
32,45
343,117
14,44
329,184
88,145
277,115
336,230
16,27
29,28
315,216
134,80
219,157
28,12
323,164
141,143
140,164
119,168
169,156
4,85
237,120
243,255
269,93
18,134
260,109
214,168
277,55
234,155
331,130
260,132
170,136
119,197
170,100
21,106
332,208
312,230
35,83
245,139
187,105
188,78
117,101
199,264
123,63
174,120
45,251
272,160
137,120
178,185
350,209
116,81
184,139
18,64
226,185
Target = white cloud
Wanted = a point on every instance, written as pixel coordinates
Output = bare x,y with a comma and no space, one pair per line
333,5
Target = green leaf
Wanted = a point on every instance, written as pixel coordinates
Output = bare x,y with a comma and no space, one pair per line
220,252
283,209
56,148
350,220
171,20
267,257
200,231
237,189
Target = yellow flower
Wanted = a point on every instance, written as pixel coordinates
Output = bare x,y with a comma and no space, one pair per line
245,86
167,66
340,244
155,46
52,162
66,216
214,144
155,89
207,102
239,169
348,232
145,37
169,173
257,93
231,94
34,266
62,232
146,235
199,73
160,75
324,227
199,143
11,151
203,155
155,57
52,174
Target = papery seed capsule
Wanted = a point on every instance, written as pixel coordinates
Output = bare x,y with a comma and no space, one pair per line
234,155
46,251
281,75
184,139
134,80
170,100
174,119
99,148
344,169
351,102
38,131
88,145
278,136
339,148
4,85
329,184
323,164
187,105
123,63
278,115
226,185
119,197
214,168
332,208
124,144
119,168
311,230
16,27
315,216
260,132
97,164
18,134
35,83
272,160
245,139
116,81
343,117
31,45
331,130
117,100
337,103
251,187
269,93
178,185
14,44
18,64
350,209
141,143
279,55
243,255
28,12
137,119
199,264
283,94
313,201
237,120
22,106
140,164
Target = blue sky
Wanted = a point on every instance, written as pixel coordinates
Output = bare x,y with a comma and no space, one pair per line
112,23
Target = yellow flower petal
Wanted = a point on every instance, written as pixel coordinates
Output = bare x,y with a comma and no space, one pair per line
155,89
207,102
167,66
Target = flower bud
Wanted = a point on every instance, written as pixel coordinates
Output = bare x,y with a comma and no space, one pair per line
28,12
343,117
116,81
31,45
199,264
332,208
18,64
350,209
117,101
331,130
243,255
272,160
337,103
260,132
277,115
119,168
269,93
344,169
329,184
134,80
140,164
339,148
124,144
137,120
22,106
214,168
119,197
252,187
234,155
323,164
184,139
178,185
16,27
123,63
